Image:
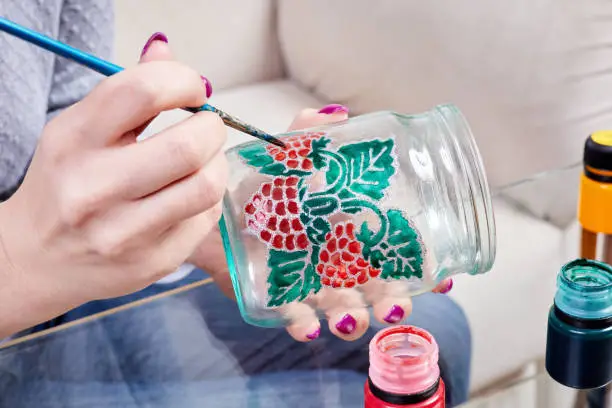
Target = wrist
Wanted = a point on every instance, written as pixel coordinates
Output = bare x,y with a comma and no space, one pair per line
26,298
12,288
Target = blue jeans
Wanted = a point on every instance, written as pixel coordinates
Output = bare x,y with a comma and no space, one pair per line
193,349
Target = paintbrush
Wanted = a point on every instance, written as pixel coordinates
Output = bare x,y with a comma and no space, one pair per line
108,69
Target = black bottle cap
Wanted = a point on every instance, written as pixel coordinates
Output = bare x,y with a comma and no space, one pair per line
598,156
402,399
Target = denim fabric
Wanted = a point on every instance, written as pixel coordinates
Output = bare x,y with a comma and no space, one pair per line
194,350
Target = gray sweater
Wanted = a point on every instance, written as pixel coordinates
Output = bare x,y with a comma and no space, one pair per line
35,84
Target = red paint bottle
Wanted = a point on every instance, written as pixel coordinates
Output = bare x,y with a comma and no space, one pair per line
404,370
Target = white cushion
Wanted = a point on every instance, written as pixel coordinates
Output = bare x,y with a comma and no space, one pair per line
571,241
550,196
231,42
531,76
508,307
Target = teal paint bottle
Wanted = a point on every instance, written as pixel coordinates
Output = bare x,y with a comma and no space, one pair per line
579,339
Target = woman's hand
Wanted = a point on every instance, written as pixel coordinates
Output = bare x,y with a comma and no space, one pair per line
99,215
347,316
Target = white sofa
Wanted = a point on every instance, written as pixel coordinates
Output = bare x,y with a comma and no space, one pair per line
528,75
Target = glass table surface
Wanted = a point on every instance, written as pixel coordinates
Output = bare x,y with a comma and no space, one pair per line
143,353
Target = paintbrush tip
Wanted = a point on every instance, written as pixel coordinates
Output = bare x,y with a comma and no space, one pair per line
275,141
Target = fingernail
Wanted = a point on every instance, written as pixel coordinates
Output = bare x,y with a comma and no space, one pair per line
396,314
448,287
334,108
208,86
155,37
347,325
315,334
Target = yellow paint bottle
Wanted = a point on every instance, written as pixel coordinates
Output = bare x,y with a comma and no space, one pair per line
595,204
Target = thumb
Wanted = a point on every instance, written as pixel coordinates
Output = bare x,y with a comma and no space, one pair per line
156,49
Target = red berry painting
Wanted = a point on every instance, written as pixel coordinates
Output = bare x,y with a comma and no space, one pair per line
306,251
296,151
341,263
273,212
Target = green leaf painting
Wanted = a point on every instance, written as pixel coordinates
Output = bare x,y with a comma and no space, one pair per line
291,277
370,166
399,253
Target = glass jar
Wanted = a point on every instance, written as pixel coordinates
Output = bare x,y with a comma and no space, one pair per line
379,204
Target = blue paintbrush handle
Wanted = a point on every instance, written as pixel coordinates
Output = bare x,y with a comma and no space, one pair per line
59,48
65,50
108,69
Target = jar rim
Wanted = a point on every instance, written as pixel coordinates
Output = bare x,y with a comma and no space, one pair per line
479,194
584,289
599,277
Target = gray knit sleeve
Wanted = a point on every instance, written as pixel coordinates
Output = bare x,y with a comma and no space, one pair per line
87,25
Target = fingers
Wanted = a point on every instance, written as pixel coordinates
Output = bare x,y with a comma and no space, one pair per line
147,218
346,311
392,310
347,316
178,243
202,191
348,324
156,49
311,117
390,301
176,152
186,198
130,98
209,256
304,323
444,287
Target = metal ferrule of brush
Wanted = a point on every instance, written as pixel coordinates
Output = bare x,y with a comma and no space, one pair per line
239,125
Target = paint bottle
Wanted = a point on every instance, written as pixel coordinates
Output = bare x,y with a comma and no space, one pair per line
404,370
579,341
595,196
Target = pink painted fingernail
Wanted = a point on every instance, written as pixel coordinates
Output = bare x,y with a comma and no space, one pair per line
155,37
347,324
315,334
334,108
396,314
448,287
208,86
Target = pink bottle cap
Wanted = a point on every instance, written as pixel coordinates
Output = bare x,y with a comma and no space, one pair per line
404,360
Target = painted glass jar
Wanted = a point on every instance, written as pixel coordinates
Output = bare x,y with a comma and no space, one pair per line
381,203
